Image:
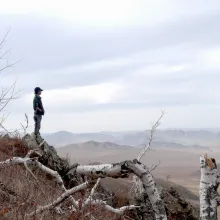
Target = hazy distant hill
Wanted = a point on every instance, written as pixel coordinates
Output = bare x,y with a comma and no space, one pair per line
63,138
60,138
94,145
163,138
199,137
97,146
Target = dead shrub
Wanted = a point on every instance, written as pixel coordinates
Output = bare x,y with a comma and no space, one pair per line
12,147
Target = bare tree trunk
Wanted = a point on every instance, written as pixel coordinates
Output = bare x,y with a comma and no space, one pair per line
151,190
121,170
209,198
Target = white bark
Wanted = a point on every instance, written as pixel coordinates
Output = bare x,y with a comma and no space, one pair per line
150,188
93,191
137,184
60,199
103,170
209,198
153,130
14,161
33,162
97,202
115,170
119,211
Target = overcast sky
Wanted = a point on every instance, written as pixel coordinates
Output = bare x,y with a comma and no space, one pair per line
112,65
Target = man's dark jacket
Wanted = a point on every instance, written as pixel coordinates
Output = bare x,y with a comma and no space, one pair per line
38,103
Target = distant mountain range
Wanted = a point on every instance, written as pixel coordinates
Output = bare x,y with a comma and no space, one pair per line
162,138
93,145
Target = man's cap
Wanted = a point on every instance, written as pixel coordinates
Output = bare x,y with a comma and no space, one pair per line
37,89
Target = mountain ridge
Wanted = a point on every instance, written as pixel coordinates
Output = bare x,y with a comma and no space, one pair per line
162,138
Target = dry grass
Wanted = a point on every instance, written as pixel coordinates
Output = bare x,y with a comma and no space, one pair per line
29,193
21,194
12,147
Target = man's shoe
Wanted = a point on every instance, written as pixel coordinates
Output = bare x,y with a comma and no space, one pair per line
39,139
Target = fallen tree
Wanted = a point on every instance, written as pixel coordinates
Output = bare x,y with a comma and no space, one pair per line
95,201
94,171
74,175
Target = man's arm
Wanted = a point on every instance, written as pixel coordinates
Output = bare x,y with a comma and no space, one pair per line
38,109
35,105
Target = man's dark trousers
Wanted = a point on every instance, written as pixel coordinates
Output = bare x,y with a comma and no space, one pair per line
37,119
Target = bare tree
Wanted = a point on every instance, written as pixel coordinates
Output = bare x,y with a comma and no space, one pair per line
10,93
152,132
25,127
138,187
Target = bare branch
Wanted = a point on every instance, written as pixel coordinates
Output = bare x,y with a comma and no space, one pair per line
137,184
27,168
153,167
4,54
6,97
26,126
93,191
29,159
91,201
9,65
60,199
4,38
153,130
9,94
119,211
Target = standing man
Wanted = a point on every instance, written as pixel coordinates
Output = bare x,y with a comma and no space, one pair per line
38,110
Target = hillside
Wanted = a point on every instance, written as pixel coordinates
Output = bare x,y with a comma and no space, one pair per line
21,193
179,201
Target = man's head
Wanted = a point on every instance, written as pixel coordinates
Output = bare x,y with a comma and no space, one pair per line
38,90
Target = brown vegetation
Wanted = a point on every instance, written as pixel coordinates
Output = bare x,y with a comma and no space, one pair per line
11,147
21,194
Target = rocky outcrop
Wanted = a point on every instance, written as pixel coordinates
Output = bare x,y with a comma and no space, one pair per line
177,208
51,159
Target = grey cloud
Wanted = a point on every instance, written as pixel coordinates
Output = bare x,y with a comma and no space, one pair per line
53,51
50,44
199,90
96,72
